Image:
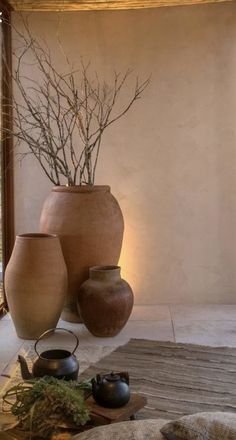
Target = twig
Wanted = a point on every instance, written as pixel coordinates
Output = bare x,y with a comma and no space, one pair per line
60,122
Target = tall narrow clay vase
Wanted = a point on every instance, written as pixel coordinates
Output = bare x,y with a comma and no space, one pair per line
35,284
105,301
90,224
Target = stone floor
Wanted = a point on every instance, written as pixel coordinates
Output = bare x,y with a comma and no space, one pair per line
200,324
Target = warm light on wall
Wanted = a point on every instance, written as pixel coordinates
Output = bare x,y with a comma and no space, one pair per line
127,261
171,163
69,5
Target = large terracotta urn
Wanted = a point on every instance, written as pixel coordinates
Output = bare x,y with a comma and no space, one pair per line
105,301
90,224
35,284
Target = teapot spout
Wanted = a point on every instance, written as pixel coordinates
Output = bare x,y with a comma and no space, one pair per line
26,375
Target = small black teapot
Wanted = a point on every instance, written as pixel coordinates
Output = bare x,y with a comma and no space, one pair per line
111,390
61,364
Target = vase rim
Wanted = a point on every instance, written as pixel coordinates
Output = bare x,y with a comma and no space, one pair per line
82,188
36,235
104,268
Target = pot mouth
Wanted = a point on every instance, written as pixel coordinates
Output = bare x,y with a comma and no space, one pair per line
82,188
105,273
51,355
36,235
104,268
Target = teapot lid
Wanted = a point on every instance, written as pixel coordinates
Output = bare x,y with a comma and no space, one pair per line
112,377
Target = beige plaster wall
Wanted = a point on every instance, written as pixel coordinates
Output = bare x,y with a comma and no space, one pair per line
171,162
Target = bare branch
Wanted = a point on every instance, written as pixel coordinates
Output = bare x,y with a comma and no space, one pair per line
61,118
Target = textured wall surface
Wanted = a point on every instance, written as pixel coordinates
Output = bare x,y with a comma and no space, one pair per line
69,5
171,162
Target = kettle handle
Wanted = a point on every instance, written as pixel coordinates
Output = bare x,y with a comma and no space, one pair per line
52,330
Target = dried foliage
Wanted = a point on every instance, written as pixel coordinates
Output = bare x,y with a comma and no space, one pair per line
45,405
62,116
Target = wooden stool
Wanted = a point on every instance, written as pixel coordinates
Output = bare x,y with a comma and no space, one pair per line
105,416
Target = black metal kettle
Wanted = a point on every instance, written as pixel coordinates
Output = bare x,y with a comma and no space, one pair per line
111,390
61,364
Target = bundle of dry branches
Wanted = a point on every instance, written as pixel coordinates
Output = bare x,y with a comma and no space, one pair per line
62,116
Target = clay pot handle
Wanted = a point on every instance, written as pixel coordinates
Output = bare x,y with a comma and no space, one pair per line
52,330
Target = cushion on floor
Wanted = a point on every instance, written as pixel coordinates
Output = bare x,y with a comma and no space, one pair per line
202,426
131,430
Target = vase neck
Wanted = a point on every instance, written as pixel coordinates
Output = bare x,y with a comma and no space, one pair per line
105,273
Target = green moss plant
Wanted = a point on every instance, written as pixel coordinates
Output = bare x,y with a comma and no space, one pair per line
45,405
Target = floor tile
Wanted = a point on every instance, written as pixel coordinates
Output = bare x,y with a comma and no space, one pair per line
9,342
63,339
6,317
84,336
215,333
155,330
211,312
198,324
159,330
150,313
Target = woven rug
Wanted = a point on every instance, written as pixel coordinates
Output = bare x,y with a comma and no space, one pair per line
177,379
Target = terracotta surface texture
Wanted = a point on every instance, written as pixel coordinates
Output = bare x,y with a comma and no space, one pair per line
36,284
105,301
90,225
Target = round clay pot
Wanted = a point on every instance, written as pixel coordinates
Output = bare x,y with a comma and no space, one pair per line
90,225
105,301
35,284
